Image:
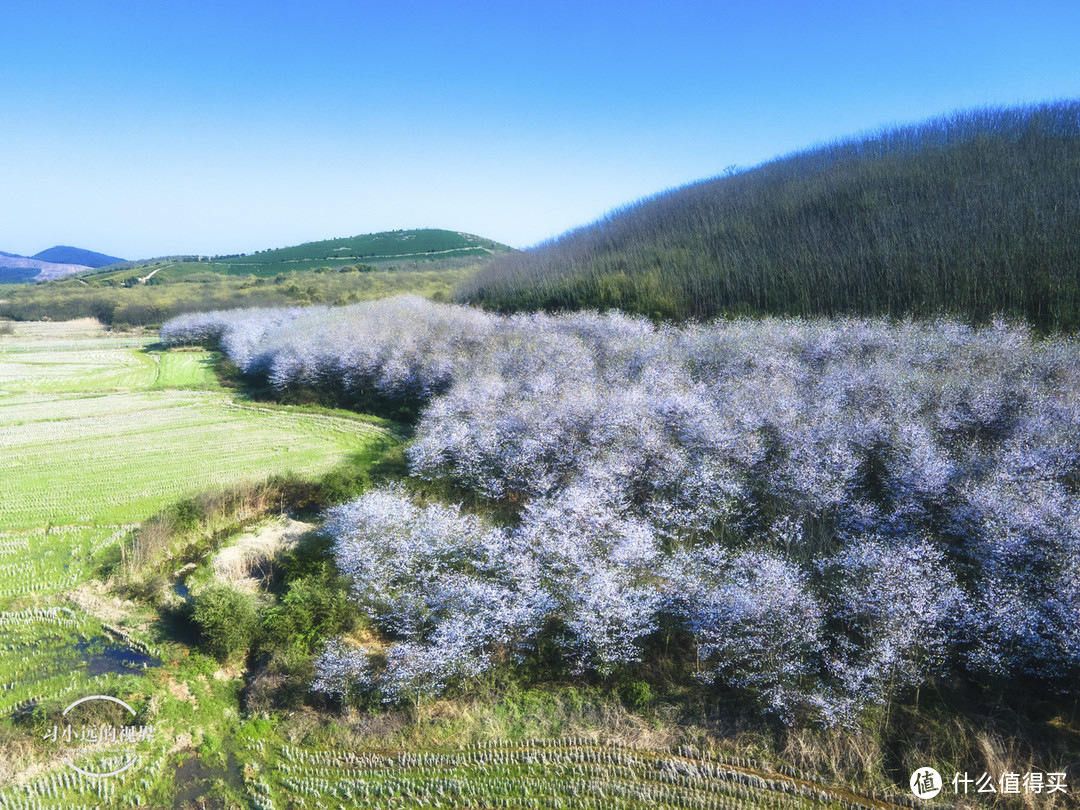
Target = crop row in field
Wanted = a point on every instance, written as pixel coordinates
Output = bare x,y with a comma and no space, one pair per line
40,654
42,562
539,773
576,773
127,455
67,788
184,370
46,647
50,369
98,364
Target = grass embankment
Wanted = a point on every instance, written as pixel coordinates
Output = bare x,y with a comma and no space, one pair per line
971,215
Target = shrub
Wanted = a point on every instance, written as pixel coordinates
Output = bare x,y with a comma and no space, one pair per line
816,502
227,620
637,695
313,609
187,515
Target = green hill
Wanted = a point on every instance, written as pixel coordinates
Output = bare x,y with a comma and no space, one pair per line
973,214
429,248
375,248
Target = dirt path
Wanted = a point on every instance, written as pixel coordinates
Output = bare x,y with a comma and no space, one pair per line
145,279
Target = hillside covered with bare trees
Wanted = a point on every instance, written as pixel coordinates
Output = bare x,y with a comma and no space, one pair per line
972,215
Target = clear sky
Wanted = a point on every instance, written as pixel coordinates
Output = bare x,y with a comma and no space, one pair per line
141,128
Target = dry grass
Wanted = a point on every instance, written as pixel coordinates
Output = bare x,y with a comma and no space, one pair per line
862,759
94,599
853,758
248,562
152,539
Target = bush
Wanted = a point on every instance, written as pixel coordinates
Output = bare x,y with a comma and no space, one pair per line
343,484
812,503
637,695
226,618
311,611
187,515
150,540
297,492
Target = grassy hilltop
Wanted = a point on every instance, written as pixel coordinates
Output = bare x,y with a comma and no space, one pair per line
971,214
385,250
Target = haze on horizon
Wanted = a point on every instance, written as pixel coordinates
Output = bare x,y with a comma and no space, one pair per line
139,130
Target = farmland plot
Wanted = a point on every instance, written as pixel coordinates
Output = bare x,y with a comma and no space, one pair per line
575,772
567,773
71,370
99,434
134,452
96,434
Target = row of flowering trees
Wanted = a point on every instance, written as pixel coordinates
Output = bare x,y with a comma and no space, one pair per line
458,595
833,509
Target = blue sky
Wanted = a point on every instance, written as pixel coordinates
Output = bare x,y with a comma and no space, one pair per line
149,128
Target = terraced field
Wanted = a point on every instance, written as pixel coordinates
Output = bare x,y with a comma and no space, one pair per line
96,434
569,773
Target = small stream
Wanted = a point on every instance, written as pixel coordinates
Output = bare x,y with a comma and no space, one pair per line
100,656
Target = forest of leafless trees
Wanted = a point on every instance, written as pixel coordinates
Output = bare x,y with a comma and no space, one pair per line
972,215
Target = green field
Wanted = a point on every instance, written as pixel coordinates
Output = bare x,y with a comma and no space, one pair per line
97,433
109,432
534,774
389,246
569,773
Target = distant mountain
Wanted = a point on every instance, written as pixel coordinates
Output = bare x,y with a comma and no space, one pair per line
16,275
432,248
51,264
15,269
973,214
65,254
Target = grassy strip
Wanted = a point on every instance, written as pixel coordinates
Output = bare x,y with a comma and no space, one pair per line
122,307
